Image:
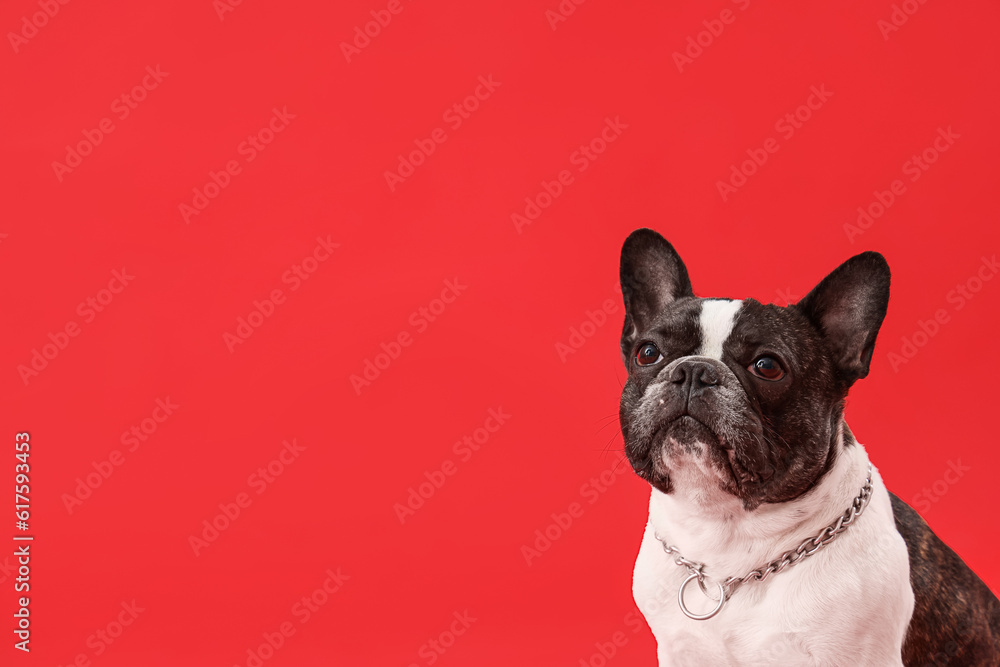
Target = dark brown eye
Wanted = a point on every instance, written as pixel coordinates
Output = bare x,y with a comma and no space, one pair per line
767,368
648,355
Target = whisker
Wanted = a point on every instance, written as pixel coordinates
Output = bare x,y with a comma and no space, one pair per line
617,464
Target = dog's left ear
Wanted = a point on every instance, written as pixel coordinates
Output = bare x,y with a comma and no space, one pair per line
848,307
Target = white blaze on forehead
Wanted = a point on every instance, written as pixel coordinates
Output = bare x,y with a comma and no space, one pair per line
716,320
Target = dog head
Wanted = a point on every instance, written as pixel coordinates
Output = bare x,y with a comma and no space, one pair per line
752,393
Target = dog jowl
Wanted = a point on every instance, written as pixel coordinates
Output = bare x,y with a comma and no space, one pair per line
733,412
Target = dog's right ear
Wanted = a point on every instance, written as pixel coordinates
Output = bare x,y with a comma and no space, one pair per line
652,276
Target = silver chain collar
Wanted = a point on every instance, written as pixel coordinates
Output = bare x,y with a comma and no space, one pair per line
809,546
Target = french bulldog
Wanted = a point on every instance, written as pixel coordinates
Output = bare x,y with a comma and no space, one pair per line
771,538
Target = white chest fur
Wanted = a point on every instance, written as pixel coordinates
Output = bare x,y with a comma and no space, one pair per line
849,604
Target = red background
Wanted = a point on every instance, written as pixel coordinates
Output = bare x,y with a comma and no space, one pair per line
495,346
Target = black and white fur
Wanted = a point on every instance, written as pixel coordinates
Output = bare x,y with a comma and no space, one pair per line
744,467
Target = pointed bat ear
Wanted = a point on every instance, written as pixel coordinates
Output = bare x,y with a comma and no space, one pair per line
848,307
652,276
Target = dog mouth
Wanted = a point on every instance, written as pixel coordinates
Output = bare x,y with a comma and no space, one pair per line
686,435
683,435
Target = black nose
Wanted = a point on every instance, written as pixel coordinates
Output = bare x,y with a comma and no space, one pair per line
694,376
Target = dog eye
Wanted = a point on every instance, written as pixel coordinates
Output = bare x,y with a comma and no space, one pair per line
767,368
648,355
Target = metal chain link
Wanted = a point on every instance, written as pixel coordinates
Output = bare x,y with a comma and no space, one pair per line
807,548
